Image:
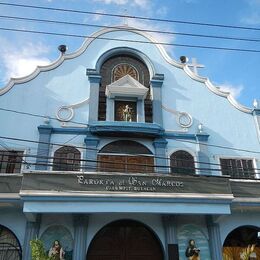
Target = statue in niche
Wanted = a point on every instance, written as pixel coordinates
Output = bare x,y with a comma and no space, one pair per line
127,113
56,252
192,252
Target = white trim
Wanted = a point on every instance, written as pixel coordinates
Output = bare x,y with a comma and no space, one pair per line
91,194
8,195
126,87
164,54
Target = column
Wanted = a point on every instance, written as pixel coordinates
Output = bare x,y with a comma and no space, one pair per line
171,241
80,236
31,232
94,79
203,158
161,162
91,152
156,84
43,147
214,239
140,111
256,114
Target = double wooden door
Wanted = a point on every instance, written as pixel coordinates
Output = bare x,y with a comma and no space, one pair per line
125,240
126,163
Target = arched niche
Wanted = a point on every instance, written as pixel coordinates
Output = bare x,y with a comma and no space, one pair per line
63,235
116,64
188,232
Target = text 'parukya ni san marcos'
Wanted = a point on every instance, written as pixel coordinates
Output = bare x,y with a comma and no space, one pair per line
132,183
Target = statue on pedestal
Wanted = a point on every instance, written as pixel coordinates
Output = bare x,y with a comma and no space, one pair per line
192,252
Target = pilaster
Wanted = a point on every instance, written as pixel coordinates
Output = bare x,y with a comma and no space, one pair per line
80,236
161,162
43,149
31,232
171,242
214,239
156,84
94,79
91,152
202,153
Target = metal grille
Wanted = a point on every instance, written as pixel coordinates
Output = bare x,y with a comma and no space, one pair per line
9,246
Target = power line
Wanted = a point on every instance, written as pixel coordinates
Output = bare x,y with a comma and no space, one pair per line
40,116
110,165
36,156
180,140
130,16
132,41
136,29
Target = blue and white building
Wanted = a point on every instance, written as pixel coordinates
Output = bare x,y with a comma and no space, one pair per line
120,152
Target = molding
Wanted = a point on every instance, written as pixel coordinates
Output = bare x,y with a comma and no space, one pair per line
163,52
75,195
122,128
126,87
70,111
179,135
180,116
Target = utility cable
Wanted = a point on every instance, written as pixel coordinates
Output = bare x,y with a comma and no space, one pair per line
136,29
131,16
131,41
177,139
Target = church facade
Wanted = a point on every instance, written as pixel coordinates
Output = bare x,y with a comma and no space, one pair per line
116,151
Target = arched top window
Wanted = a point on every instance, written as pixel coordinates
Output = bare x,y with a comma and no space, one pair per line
125,147
9,245
125,156
122,69
66,158
182,162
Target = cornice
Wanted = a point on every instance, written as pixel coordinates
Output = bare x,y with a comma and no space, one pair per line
164,54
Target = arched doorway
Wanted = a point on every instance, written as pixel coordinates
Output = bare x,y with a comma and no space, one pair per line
125,240
9,245
242,242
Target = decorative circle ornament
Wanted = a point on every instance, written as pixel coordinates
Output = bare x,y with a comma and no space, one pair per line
65,114
184,119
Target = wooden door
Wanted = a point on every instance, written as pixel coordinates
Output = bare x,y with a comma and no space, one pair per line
125,240
123,163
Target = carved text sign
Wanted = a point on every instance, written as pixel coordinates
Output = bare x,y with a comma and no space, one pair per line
130,183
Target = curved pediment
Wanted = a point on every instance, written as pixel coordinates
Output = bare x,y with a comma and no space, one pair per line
160,47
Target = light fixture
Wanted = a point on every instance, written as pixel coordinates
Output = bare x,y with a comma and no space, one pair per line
184,59
62,48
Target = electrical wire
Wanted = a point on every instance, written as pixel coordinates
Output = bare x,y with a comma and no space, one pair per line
132,41
81,147
136,29
131,17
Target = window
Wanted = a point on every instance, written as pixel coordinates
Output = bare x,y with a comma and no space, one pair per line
237,168
10,161
182,162
66,159
125,156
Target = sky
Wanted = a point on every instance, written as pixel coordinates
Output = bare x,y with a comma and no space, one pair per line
233,71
